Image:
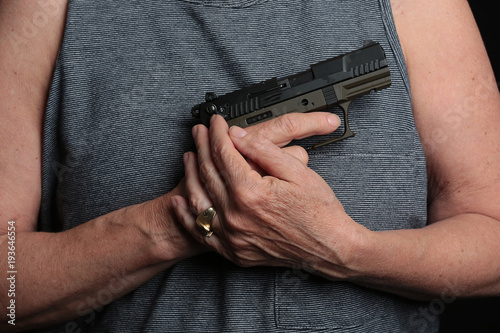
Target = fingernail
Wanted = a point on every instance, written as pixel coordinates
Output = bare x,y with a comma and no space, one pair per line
194,131
237,132
334,120
186,158
212,118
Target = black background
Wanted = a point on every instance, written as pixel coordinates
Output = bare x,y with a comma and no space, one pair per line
478,315
487,17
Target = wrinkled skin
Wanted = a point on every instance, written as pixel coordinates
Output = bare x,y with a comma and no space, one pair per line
272,209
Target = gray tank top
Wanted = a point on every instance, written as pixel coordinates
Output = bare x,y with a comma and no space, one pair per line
118,121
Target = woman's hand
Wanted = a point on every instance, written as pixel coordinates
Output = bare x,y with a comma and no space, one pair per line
271,208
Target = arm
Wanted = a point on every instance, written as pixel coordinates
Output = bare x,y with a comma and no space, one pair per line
456,106
457,112
59,275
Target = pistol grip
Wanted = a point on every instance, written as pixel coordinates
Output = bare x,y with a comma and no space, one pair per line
347,129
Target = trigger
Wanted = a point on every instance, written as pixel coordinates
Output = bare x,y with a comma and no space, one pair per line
347,129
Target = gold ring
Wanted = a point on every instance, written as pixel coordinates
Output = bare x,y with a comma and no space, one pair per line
204,220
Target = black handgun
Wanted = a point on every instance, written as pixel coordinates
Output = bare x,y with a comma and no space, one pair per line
337,81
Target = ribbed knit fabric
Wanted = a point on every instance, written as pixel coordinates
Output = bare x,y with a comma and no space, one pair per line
118,121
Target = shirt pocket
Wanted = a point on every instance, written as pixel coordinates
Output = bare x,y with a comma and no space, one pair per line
304,301
378,176
380,179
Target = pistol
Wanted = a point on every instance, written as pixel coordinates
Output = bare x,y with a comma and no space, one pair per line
333,82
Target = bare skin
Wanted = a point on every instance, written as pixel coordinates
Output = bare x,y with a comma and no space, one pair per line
457,111
466,221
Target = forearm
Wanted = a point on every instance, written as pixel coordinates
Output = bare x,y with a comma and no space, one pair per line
457,257
61,276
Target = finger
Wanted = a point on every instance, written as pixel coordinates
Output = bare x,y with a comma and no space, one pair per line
199,200
208,172
232,165
295,126
272,159
298,152
188,221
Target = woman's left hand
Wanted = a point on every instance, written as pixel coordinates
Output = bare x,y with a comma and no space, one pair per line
271,208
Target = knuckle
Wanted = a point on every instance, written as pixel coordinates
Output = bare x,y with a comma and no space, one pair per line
301,154
204,171
196,203
256,145
290,124
207,174
219,149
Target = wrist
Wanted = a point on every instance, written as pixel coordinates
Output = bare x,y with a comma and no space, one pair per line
168,240
362,253
349,248
380,258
